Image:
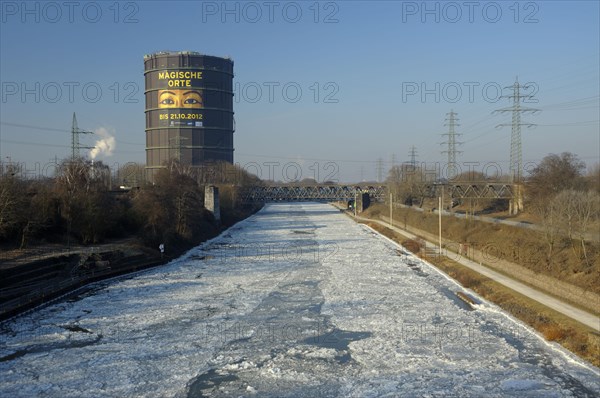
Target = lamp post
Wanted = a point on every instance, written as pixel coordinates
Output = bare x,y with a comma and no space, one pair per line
391,210
440,204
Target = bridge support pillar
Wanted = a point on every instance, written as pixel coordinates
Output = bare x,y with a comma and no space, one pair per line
211,201
364,200
515,205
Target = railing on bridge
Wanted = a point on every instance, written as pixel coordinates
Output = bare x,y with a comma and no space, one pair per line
317,193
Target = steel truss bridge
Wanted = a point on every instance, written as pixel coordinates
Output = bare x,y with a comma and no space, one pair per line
470,190
330,193
312,193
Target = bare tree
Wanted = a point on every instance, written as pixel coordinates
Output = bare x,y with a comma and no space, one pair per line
407,183
85,202
131,175
586,208
565,201
593,178
471,175
173,206
550,214
42,211
13,201
554,174
577,210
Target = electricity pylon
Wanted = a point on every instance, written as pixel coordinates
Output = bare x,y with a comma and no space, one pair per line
451,144
379,170
516,151
413,158
75,132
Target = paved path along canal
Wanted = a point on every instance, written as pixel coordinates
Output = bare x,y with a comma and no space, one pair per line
298,300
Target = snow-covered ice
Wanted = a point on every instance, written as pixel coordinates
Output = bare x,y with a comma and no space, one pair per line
297,300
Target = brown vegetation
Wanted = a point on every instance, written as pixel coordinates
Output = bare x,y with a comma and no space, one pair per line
565,202
78,206
522,246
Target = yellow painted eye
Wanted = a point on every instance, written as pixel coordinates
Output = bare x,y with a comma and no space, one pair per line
167,101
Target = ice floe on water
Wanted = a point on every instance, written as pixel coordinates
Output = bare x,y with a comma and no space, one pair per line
298,300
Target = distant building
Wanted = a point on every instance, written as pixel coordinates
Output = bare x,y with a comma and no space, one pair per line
189,109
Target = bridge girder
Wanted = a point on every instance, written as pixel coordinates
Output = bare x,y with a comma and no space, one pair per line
469,190
325,193
330,193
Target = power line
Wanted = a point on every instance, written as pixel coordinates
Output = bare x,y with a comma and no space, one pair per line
28,126
303,158
580,103
573,124
571,105
34,127
472,126
35,144
52,145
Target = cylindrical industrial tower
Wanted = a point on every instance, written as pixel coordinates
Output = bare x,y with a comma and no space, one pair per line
189,108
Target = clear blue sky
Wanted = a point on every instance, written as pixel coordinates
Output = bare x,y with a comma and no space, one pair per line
362,55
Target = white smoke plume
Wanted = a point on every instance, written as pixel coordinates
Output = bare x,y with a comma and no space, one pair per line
105,145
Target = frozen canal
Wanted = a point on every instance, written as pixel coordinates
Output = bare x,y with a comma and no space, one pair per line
295,301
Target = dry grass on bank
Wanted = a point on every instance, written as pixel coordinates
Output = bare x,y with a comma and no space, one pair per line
554,326
522,246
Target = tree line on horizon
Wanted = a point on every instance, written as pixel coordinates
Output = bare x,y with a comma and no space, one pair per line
78,205
559,193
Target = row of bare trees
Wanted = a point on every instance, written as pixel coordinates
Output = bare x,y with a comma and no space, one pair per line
78,204
569,214
73,205
558,191
567,202
172,208
409,184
